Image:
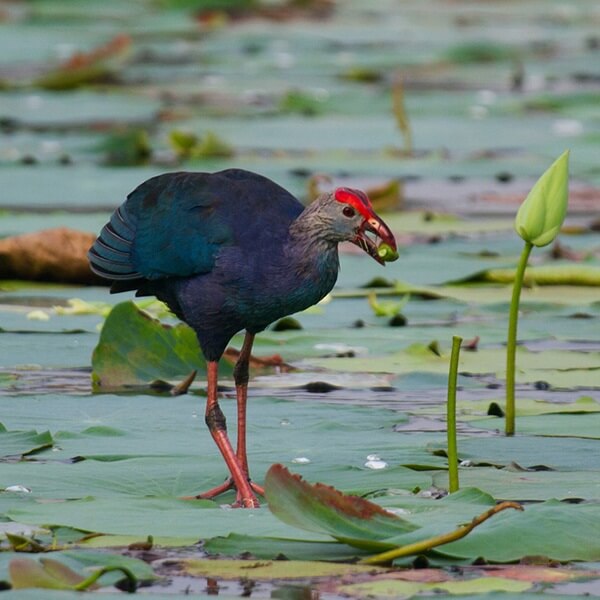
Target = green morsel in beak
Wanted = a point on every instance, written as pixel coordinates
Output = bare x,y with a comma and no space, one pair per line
387,253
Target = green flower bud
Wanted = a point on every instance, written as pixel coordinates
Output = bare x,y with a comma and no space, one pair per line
542,213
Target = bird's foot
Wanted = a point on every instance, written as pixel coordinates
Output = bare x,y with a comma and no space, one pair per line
247,500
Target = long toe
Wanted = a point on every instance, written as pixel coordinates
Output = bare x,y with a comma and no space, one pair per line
247,501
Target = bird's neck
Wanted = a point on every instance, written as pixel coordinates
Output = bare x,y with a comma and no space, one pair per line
310,243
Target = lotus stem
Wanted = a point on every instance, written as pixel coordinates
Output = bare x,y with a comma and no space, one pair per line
438,540
451,416
511,341
131,579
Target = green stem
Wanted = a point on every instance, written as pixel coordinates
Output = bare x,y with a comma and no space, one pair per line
428,544
86,583
511,340
451,416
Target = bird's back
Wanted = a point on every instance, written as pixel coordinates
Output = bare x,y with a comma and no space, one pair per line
174,225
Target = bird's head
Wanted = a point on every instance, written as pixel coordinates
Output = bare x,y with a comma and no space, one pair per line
349,216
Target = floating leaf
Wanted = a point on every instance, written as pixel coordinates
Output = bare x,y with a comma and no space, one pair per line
46,573
135,349
57,255
394,588
574,534
479,52
23,443
127,147
576,275
236,544
83,68
324,509
266,569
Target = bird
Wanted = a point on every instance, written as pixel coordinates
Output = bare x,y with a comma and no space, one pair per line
232,251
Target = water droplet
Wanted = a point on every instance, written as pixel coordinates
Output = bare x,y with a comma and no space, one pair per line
38,315
34,102
486,97
18,489
398,511
301,460
376,464
478,112
285,422
567,127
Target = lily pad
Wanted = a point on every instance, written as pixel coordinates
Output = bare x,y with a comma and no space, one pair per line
324,509
267,569
23,443
393,588
136,349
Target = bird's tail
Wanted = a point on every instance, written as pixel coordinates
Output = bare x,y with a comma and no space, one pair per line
110,255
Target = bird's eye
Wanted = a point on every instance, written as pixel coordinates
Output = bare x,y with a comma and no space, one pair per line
349,211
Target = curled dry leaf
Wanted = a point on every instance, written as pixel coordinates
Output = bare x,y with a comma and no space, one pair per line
53,255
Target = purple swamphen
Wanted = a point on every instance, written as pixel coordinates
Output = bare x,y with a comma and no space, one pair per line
231,251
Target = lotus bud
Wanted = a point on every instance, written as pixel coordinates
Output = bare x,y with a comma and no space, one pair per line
542,213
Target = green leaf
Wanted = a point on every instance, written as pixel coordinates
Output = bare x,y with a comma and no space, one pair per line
236,544
279,569
542,213
46,573
23,443
519,484
396,588
63,570
552,529
324,509
135,349
576,275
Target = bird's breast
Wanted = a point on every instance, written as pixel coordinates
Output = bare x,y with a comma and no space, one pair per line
267,290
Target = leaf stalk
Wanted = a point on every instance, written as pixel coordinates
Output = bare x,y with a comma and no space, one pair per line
438,540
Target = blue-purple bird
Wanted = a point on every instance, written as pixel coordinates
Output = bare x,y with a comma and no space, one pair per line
227,252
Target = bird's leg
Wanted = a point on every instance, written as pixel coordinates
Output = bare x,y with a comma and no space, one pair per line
241,377
215,420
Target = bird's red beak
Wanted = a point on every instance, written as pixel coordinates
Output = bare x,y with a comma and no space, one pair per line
381,234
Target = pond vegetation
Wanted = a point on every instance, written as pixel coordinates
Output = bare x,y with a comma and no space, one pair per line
446,113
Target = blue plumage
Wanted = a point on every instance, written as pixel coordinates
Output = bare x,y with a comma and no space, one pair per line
229,251
213,247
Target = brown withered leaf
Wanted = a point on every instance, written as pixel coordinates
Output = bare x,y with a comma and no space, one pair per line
52,255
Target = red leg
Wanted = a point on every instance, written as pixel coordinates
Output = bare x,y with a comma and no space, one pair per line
241,376
218,430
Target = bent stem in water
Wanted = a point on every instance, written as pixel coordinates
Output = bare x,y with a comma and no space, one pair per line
511,340
438,540
131,580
